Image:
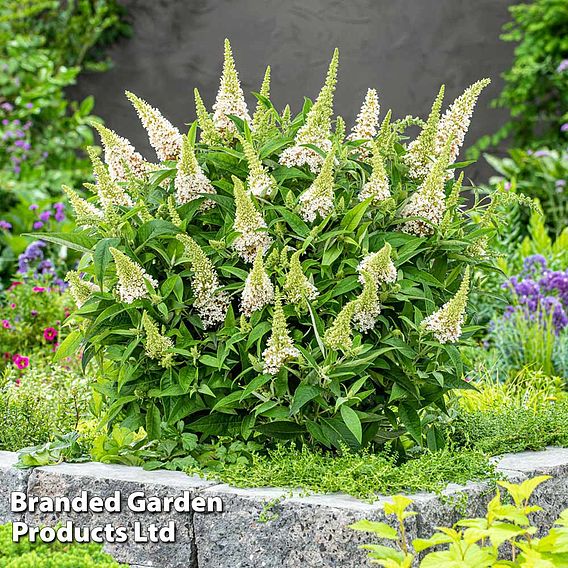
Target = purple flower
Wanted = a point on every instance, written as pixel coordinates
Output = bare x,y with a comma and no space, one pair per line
5,122
7,107
5,225
541,154
29,105
16,169
562,66
33,207
60,216
59,206
507,186
564,127
45,215
38,225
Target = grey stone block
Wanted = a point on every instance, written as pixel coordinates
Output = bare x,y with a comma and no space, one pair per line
308,531
103,480
11,479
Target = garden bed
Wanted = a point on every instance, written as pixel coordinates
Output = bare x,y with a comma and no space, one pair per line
265,526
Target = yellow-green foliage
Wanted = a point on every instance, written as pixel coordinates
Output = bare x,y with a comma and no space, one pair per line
477,542
527,389
25,554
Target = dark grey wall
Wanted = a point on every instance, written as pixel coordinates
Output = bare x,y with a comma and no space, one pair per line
404,48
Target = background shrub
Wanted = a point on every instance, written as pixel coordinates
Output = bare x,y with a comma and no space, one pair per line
43,47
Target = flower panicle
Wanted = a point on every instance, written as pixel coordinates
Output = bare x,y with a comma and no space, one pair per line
297,288
258,290
367,122
209,134
250,224
340,335
318,199
262,120
172,212
420,154
428,202
317,128
367,305
455,122
108,191
80,289
191,182
280,348
121,157
210,302
230,97
446,323
164,137
452,202
133,280
379,266
259,182
157,346
86,214
378,186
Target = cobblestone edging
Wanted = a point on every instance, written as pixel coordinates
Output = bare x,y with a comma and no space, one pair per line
308,531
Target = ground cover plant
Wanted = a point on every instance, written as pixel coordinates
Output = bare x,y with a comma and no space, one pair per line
272,278
26,554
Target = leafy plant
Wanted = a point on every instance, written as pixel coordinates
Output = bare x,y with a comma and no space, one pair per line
43,47
541,175
31,313
536,86
46,401
319,302
504,537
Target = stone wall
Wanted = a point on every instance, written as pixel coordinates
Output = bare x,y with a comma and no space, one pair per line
405,49
308,531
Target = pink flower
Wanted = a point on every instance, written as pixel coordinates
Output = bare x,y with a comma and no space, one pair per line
13,306
34,313
49,333
22,362
38,289
6,324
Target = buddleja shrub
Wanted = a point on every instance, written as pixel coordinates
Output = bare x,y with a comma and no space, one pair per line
271,278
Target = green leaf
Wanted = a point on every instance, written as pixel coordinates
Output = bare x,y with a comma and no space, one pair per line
69,346
281,429
304,393
80,241
353,217
352,422
382,530
102,257
153,422
411,420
